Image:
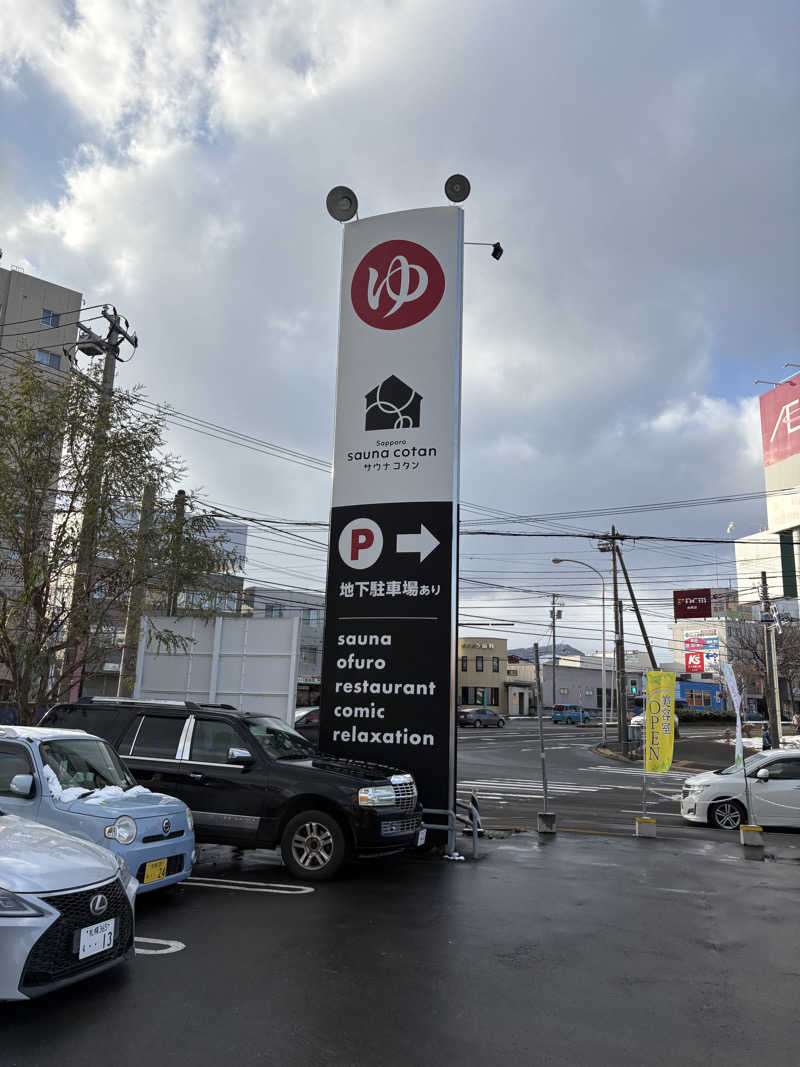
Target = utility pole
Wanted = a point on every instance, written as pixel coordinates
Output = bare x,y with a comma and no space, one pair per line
78,632
609,544
175,553
772,687
554,597
646,639
133,620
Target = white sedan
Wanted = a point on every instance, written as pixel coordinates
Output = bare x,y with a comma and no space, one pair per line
66,909
773,787
638,720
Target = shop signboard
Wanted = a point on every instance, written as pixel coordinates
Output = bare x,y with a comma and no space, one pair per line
388,673
692,603
780,441
695,662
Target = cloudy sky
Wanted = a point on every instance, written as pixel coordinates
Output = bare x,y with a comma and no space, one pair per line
638,161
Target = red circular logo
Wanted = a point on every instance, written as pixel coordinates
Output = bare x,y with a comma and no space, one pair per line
396,284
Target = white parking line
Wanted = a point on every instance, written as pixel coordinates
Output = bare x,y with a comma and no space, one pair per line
249,887
158,947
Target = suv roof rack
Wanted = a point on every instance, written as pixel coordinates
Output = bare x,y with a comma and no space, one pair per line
139,700
193,704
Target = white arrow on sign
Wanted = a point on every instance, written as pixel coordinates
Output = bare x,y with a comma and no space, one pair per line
423,542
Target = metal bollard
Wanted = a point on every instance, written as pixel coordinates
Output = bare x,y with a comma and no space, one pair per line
475,818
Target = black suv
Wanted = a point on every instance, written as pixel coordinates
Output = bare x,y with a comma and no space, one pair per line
254,782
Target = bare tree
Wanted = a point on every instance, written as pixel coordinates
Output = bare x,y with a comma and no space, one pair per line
46,433
746,651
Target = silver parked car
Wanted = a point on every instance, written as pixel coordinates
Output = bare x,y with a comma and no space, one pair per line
66,909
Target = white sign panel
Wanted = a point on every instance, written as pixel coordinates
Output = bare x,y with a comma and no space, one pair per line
399,359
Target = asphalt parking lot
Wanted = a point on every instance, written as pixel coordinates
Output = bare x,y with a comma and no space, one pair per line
582,950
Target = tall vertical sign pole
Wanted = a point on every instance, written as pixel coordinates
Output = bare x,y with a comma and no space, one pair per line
389,657
553,597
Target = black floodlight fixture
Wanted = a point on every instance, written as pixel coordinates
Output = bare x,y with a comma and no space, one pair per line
497,248
342,203
457,188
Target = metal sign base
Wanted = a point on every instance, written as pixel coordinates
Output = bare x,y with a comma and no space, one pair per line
546,822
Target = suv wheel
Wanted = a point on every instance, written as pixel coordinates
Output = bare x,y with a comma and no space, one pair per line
313,846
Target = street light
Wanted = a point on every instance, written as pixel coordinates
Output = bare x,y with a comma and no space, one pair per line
581,563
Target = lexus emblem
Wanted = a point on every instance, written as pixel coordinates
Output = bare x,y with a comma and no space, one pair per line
166,826
98,905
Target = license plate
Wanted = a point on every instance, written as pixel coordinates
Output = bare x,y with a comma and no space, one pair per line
96,938
154,870
421,837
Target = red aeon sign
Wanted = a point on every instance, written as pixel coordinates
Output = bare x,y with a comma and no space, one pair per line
397,284
780,421
692,603
695,662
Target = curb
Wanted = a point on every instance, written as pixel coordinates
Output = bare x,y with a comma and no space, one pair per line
681,765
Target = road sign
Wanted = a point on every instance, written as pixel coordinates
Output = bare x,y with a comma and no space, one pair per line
388,675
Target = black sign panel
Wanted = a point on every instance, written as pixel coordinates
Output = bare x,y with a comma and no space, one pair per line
387,663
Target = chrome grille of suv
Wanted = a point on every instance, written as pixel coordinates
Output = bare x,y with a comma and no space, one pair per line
401,826
405,795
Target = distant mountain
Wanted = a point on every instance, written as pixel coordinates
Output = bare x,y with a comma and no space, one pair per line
545,652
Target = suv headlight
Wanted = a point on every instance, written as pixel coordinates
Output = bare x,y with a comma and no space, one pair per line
376,796
189,820
122,830
14,907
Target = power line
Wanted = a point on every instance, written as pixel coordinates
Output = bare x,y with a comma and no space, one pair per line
38,318
631,509
45,327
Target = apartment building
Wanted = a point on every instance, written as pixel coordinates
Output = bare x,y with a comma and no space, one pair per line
38,320
482,672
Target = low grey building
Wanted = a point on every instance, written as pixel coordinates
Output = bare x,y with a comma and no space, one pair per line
276,603
576,685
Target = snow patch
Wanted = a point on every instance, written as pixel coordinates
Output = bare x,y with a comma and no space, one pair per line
98,796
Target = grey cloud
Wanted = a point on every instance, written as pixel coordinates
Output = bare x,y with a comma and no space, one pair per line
639,167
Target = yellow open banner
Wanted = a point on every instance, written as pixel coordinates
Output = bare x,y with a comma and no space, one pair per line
659,721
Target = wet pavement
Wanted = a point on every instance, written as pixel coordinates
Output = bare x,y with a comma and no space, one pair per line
582,950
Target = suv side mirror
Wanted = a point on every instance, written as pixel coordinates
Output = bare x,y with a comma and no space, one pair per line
23,785
240,756
763,774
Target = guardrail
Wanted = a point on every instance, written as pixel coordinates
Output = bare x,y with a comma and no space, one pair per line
472,821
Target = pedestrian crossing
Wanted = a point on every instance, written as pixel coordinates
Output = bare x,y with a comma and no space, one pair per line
521,788
531,789
677,776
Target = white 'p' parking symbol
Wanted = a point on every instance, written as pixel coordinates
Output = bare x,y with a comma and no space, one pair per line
360,543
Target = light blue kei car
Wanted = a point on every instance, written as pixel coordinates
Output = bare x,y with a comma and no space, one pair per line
76,783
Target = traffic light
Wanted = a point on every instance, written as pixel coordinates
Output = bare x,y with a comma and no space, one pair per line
634,686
